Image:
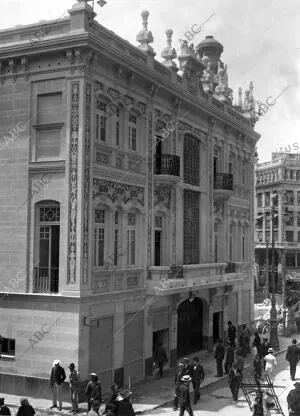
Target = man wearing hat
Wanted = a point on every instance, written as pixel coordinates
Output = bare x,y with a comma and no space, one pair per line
57,378
184,396
198,376
177,381
74,380
293,356
124,406
270,361
93,390
4,410
229,357
293,400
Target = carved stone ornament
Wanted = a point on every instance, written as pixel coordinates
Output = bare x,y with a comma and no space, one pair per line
73,175
118,191
162,197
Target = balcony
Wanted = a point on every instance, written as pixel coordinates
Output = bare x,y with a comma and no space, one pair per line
45,280
167,167
163,280
230,268
223,184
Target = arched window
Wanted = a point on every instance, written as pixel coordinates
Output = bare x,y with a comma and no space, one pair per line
46,273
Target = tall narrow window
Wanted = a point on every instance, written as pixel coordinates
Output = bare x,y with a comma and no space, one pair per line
101,121
267,199
244,175
99,237
230,243
191,157
158,241
116,239
131,238
191,228
243,242
132,127
117,132
46,277
230,167
216,243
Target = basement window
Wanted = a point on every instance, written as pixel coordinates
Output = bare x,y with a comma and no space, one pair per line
7,348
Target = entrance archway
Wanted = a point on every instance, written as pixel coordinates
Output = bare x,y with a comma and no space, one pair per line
190,327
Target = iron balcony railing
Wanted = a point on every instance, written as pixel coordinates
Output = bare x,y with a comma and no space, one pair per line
167,165
223,181
46,280
230,268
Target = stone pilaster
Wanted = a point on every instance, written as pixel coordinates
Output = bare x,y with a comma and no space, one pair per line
210,341
118,353
150,190
148,341
211,123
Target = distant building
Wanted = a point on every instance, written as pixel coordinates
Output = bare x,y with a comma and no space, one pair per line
278,181
126,201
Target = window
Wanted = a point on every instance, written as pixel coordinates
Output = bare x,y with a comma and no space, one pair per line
267,223
243,243
131,238
158,240
216,243
101,121
267,199
290,197
230,242
191,228
132,128
289,236
298,236
298,197
259,200
289,219
230,167
7,348
99,237
290,260
191,158
117,126
116,239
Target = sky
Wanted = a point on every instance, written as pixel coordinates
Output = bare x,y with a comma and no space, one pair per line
260,38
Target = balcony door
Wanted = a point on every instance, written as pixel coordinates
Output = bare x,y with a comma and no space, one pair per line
47,272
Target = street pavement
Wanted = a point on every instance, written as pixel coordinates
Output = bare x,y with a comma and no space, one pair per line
156,394
216,399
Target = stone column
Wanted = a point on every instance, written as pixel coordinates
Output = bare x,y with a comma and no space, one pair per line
210,341
118,342
148,340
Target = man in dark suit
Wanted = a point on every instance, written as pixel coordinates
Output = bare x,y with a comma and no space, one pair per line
219,356
160,357
231,333
177,381
187,369
4,410
57,378
184,396
293,356
197,378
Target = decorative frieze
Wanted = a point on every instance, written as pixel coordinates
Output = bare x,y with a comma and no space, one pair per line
117,190
162,197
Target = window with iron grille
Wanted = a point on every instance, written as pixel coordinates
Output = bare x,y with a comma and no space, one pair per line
132,128
49,214
191,227
259,200
267,199
131,238
191,160
99,237
101,121
7,348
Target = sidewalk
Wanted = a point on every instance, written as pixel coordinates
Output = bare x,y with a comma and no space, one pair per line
149,394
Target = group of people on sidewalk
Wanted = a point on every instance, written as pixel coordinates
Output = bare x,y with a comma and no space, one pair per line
25,408
118,404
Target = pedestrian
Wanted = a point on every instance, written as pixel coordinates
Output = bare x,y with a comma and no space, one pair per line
198,376
257,367
93,390
124,406
264,350
293,356
57,378
245,340
187,368
177,381
257,344
270,362
229,357
160,358
4,410
293,400
219,356
231,333
184,396
240,361
74,380
94,411
234,380
25,409
114,394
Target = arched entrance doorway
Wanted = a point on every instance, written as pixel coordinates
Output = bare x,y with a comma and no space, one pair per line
190,327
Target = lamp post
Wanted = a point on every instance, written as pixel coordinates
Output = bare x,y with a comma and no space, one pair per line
273,313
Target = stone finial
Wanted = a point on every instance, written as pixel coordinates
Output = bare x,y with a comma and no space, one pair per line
169,53
246,100
240,103
144,37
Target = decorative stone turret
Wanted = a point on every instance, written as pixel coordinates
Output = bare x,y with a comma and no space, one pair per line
169,53
212,49
144,37
82,16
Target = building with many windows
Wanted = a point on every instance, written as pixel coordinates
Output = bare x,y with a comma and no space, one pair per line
126,201
278,185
